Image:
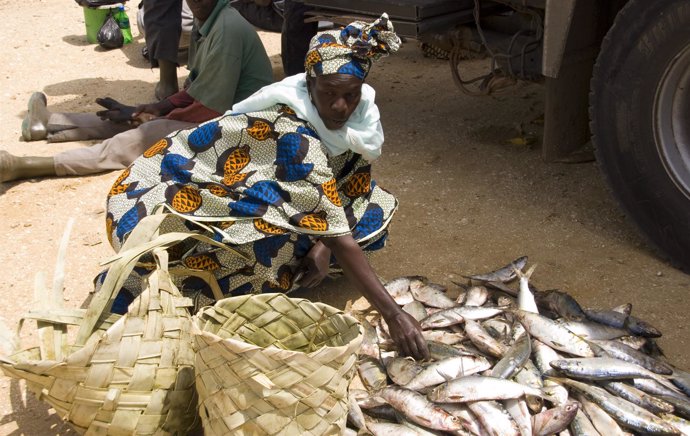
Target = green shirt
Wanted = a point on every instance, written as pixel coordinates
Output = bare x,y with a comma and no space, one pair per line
227,60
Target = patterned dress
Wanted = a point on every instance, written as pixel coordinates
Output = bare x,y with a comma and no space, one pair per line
259,182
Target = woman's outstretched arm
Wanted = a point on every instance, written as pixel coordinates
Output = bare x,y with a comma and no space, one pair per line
404,329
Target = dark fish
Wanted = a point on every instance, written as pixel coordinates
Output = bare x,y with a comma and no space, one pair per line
503,274
634,325
561,303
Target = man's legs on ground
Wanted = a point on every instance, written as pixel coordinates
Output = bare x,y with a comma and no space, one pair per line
117,152
68,127
112,154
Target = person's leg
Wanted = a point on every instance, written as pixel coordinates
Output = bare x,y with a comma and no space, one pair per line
162,20
117,152
68,127
40,123
16,168
34,126
112,154
295,37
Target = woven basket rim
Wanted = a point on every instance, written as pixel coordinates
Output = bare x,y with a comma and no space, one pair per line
213,338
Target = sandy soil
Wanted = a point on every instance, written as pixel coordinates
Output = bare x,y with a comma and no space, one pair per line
470,201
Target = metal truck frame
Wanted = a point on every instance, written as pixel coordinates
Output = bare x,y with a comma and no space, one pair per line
616,76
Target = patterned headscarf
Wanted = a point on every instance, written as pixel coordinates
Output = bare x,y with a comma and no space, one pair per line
352,49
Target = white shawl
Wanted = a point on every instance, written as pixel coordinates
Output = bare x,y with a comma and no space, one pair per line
362,133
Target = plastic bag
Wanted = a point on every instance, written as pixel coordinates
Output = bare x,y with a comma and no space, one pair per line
110,35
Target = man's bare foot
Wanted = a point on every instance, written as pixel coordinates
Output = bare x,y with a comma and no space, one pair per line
164,91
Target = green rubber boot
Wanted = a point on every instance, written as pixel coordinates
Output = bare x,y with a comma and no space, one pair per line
35,124
29,167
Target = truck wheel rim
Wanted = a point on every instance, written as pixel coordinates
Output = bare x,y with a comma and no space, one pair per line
672,120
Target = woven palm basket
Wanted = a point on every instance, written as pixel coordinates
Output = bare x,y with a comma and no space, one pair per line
268,364
123,375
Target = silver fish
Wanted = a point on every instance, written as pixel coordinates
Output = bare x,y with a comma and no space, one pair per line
370,341
602,421
494,418
681,406
402,369
418,409
603,368
636,342
529,375
440,351
399,289
543,355
636,396
476,296
518,410
444,337
513,359
466,417
355,416
390,429
554,420
614,318
479,388
498,328
592,330
624,352
447,369
623,411
681,424
623,308
432,294
372,373
525,299
504,274
553,334
416,309
483,340
458,314
582,426
653,387
682,380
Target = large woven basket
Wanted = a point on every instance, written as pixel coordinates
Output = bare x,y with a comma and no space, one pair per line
268,364
123,375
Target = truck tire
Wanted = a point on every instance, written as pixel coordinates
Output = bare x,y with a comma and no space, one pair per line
640,120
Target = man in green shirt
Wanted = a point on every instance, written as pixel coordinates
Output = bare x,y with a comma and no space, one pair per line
227,63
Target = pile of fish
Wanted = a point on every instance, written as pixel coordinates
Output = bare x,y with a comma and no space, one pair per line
510,362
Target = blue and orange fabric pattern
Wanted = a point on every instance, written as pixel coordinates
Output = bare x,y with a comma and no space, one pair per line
261,182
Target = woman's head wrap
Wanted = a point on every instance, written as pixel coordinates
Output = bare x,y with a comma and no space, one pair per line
352,49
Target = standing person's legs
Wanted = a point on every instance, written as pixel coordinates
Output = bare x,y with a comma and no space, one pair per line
162,21
295,37
117,152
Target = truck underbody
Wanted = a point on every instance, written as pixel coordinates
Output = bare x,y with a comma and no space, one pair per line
616,76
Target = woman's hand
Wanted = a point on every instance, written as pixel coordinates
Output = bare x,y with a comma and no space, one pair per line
403,328
407,335
314,266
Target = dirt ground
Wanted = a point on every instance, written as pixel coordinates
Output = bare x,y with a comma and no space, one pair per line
470,200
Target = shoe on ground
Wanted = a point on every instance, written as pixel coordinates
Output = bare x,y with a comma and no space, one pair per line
35,124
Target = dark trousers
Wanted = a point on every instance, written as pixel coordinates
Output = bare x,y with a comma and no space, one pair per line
295,37
163,29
